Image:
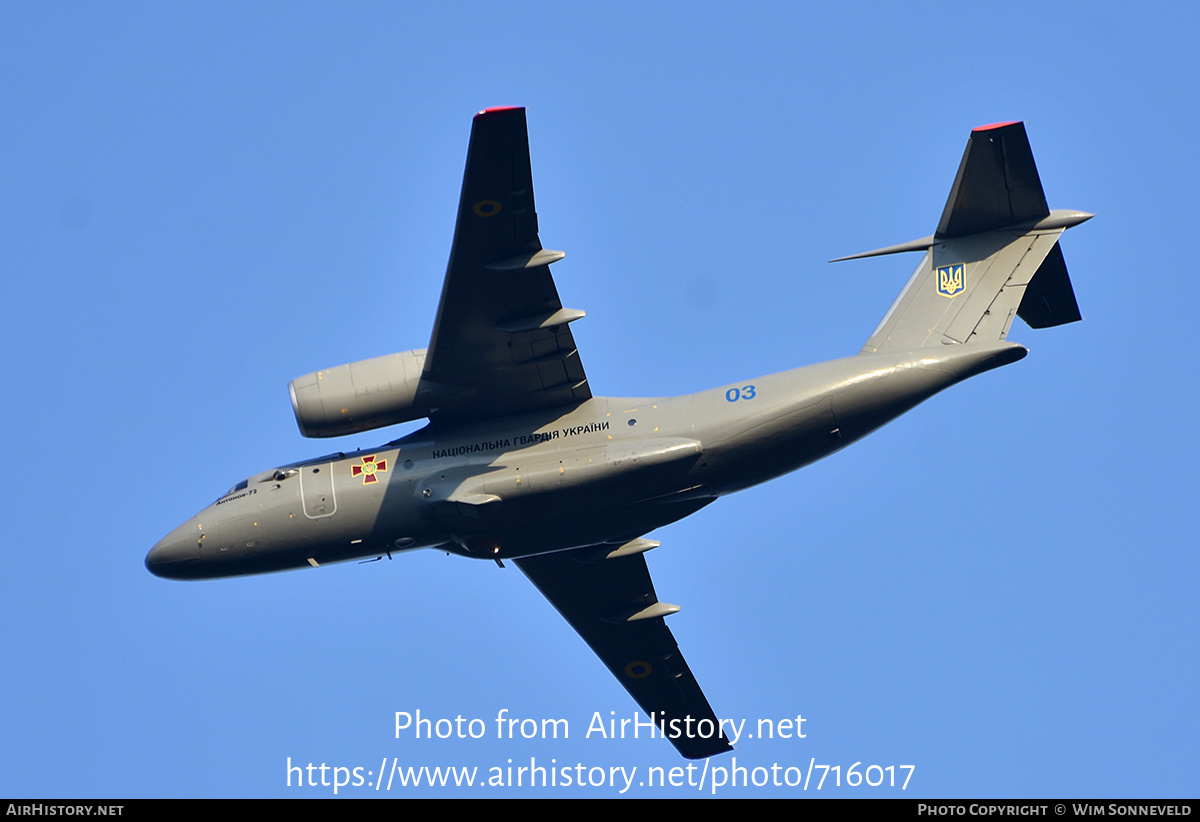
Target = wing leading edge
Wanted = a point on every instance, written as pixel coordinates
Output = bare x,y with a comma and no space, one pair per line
612,604
501,343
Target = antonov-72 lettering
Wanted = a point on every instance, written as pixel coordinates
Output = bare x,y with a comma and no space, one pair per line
520,462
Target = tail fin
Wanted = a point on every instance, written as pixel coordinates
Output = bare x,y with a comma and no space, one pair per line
994,255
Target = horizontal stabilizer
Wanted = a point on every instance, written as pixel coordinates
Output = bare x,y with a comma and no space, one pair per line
1049,298
994,257
1058,218
912,245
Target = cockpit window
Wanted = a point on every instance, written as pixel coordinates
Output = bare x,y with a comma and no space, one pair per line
241,486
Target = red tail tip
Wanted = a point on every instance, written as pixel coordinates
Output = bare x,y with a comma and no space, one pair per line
991,126
497,109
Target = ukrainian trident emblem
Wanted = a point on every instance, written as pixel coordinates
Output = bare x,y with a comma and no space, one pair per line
368,469
951,279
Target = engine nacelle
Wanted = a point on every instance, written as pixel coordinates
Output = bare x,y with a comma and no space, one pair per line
361,396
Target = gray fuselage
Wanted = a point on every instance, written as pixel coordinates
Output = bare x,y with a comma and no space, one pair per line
604,471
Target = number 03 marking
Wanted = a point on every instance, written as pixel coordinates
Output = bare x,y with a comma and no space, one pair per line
743,393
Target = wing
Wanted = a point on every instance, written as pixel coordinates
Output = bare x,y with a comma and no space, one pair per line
611,603
501,343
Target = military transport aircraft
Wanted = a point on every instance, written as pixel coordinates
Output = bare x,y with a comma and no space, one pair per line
520,461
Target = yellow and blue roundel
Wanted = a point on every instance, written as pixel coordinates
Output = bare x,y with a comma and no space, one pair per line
951,279
638,670
486,208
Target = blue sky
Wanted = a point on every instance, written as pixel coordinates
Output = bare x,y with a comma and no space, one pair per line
200,202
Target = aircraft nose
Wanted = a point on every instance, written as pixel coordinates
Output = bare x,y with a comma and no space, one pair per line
175,556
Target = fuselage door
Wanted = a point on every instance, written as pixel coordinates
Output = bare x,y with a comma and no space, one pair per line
316,489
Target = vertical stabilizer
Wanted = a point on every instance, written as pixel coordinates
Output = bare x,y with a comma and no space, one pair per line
994,256
997,184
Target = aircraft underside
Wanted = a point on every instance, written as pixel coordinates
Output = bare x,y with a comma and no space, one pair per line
520,462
